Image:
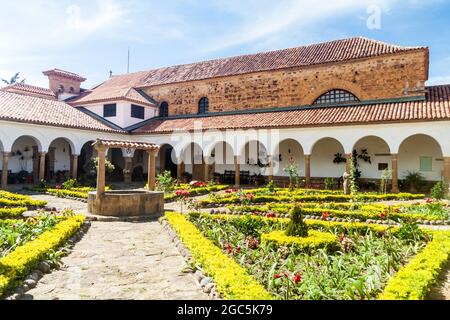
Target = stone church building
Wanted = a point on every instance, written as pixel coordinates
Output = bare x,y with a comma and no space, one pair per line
241,119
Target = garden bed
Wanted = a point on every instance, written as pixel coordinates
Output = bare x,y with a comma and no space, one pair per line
24,244
364,265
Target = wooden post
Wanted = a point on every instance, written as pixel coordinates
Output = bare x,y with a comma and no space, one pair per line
348,162
447,175
128,167
151,181
41,166
101,170
394,160
237,168
180,169
307,171
74,171
270,168
5,170
206,169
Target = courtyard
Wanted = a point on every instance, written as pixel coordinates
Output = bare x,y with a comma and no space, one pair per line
223,242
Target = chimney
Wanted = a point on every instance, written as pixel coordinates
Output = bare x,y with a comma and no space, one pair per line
64,84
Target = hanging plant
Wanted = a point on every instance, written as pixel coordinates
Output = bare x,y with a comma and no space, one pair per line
338,158
364,155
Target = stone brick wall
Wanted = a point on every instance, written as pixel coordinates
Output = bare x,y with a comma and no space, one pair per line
375,78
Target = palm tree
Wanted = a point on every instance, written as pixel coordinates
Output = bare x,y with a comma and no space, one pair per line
14,80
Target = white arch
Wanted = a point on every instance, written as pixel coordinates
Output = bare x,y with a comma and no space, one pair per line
210,147
371,136
276,147
346,150
36,140
69,141
421,134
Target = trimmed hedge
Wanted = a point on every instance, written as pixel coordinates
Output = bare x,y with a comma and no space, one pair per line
362,214
25,258
61,193
342,227
232,280
315,240
8,199
414,281
197,192
233,199
6,213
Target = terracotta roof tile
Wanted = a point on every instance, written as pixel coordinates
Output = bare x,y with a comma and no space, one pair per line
125,144
23,108
117,87
435,107
64,73
29,89
327,52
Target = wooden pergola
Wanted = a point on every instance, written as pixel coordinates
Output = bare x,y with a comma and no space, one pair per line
102,146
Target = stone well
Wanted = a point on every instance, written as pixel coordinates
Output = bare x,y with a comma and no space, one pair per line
122,203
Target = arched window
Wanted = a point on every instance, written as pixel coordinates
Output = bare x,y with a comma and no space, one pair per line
164,109
336,96
203,105
60,88
71,90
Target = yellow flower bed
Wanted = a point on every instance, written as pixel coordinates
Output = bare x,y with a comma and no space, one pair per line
315,240
231,279
22,260
414,281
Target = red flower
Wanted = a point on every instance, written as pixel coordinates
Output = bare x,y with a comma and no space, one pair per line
297,278
270,215
182,193
383,215
237,250
228,248
429,200
229,190
250,196
235,190
277,276
325,215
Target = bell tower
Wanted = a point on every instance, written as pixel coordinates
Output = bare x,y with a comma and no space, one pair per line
64,84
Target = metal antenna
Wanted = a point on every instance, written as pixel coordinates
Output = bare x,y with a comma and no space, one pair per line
128,65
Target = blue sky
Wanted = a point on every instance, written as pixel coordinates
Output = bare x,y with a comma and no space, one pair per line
92,37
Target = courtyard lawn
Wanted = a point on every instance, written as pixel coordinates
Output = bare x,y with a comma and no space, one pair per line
336,261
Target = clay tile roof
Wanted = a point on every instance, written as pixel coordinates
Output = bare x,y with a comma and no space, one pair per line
125,144
23,88
327,52
435,107
25,108
115,88
64,73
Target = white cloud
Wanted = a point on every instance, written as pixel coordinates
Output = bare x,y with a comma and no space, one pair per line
269,18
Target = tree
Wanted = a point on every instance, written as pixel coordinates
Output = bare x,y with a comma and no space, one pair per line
15,79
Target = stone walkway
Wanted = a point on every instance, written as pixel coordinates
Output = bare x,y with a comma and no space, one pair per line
118,260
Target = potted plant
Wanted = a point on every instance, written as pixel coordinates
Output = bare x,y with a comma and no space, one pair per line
414,180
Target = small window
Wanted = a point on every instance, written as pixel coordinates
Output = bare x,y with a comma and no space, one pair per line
203,105
383,166
426,164
60,88
335,97
109,110
137,112
71,90
164,109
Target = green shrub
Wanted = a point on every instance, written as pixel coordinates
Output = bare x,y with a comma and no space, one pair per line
70,184
297,227
165,182
438,190
414,180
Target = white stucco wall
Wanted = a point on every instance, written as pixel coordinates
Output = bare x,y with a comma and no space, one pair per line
123,113
62,155
322,155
